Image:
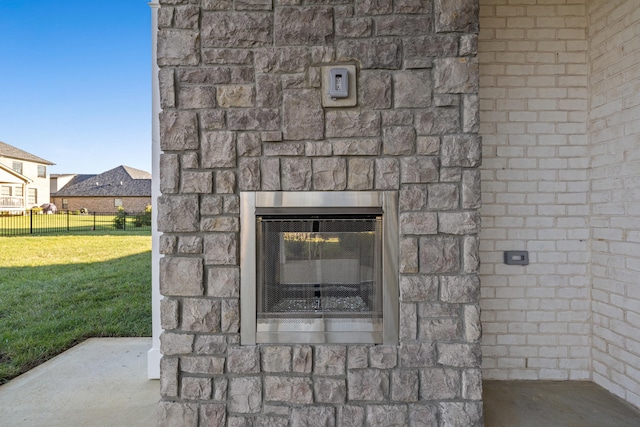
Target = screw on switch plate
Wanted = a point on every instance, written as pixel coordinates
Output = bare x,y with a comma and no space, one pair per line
516,257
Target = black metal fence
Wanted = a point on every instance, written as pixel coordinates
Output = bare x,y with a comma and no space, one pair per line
35,221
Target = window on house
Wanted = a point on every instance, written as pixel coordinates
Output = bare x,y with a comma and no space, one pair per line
32,196
118,202
65,203
18,191
17,166
42,171
5,191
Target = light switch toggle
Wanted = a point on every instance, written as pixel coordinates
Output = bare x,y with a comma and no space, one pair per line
338,83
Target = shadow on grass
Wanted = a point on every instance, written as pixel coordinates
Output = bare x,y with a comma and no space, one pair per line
46,310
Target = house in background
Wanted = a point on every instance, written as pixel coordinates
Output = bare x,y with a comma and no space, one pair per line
24,182
59,180
122,186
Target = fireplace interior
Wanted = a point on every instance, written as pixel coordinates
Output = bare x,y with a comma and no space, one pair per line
319,265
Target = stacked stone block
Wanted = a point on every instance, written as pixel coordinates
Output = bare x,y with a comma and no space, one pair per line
240,91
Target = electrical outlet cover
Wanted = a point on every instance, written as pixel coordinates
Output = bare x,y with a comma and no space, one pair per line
350,100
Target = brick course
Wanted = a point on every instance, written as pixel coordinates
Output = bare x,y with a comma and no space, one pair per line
533,70
103,204
559,112
614,197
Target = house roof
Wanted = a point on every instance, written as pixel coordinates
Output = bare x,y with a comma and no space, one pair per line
12,152
9,176
123,181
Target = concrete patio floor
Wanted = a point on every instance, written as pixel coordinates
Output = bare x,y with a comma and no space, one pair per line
102,383
554,404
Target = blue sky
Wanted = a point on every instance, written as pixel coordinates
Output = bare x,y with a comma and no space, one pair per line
75,82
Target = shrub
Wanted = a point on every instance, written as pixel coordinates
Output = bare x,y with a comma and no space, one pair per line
120,219
143,219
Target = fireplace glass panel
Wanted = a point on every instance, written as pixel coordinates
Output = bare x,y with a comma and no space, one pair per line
319,267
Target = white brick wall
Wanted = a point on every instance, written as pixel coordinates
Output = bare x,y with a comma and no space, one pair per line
615,194
534,95
560,117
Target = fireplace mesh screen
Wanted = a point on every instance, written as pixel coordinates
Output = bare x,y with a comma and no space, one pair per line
315,267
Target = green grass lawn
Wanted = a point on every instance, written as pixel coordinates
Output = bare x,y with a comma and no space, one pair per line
58,290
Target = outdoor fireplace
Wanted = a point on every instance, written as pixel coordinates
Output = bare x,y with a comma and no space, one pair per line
319,261
319,267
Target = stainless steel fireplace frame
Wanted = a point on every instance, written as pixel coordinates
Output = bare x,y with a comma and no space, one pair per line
319,330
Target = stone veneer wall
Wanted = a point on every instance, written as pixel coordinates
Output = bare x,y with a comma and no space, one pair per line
240,92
